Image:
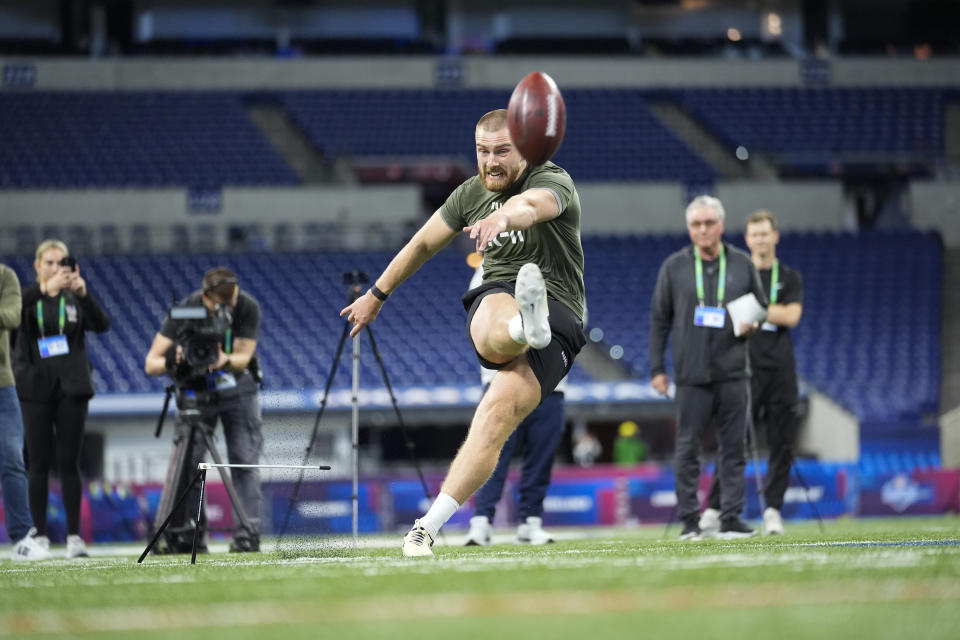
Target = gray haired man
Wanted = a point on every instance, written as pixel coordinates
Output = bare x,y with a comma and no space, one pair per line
710,360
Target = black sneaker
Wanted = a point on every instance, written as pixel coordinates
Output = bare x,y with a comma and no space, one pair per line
691,529
735,528
245,545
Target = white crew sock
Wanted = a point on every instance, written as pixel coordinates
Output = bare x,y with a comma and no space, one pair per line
442,510
516,330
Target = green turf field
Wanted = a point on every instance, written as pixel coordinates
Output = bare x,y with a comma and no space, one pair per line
890,578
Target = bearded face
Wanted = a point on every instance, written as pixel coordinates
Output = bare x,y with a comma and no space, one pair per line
499,164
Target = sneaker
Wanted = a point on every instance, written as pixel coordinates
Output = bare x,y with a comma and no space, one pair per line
480,532
417,542
531,532
735,528
28,549
245,544
76,548
772,522
43,541
691,530
531,295
710,522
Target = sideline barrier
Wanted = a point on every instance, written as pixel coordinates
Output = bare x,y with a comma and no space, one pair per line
603,495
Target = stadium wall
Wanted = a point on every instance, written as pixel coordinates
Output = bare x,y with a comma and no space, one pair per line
936,205
613,207
159,209
399,72
658,208
829,432
413,72
950,438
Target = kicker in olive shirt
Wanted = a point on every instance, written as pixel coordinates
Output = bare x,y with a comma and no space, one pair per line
554,245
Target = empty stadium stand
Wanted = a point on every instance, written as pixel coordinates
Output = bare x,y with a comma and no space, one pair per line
869,337
870,334
205,139
135,139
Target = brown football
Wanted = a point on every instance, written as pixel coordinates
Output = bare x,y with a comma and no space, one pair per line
537,117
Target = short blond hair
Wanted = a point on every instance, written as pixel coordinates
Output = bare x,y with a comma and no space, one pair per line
493,120
51,243
762,216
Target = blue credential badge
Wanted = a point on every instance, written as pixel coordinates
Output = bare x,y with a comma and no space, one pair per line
713,317
53,346
769,326
221,381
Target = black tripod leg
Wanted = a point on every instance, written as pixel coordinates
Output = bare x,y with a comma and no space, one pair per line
806,492
176,473
316,427
196,529
228,484
156,536
411,447
752,435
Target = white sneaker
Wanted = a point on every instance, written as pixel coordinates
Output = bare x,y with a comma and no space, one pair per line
710,522
417,542
27,549
480,532
531,296
772,522
531,532
43,541
76,547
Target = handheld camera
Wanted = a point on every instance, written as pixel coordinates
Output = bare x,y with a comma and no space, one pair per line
198,334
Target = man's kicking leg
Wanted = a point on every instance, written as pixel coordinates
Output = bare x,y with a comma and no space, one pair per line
513,394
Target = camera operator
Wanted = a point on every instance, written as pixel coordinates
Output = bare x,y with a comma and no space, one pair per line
226,389
53,380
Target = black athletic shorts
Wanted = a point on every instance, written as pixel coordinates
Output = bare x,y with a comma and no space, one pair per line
551,363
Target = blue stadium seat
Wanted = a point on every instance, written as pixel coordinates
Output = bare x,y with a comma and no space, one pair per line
877,354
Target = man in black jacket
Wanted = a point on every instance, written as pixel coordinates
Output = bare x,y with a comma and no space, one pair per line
710,362
773,386
228,391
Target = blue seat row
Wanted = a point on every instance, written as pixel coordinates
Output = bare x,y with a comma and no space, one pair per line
872,341
101,139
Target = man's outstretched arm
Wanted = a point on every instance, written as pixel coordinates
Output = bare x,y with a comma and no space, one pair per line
520,212
425,243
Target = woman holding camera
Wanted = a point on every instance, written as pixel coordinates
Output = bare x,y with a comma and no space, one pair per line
53,382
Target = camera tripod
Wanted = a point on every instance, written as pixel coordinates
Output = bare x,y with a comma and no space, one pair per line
355,281
177,483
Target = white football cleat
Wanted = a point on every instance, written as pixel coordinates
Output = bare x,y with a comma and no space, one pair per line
531,532
417,543
27,549
76,547
480,532
531,296
772,522
710,522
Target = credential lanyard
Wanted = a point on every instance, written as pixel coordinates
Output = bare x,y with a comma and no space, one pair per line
228,341
721,278
774,278
63,316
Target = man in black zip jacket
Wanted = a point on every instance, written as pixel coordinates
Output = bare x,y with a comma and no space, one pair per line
710,362
773,386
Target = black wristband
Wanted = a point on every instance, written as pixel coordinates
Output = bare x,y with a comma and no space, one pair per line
379,295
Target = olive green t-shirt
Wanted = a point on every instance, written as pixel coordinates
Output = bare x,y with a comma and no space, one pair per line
554,245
